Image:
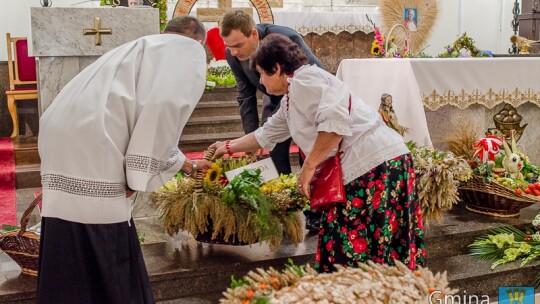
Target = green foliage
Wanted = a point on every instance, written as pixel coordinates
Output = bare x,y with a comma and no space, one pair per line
140,236
8,228
222,81
298,269
464,42
221,75
237,283
506,244
162,6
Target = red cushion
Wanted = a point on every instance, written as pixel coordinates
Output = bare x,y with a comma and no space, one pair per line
26,65
215,43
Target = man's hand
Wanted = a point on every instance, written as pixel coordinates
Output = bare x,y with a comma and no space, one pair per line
129,191
203,166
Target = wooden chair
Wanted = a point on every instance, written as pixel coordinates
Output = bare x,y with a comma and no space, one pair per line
22,77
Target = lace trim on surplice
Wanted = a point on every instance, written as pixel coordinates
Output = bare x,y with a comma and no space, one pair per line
82,187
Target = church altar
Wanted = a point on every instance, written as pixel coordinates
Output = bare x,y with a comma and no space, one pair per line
434,96
67,40
327,22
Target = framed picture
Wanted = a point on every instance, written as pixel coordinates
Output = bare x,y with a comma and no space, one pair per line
410,19
135,3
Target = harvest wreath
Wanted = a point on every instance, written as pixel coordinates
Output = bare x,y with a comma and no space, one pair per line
241,211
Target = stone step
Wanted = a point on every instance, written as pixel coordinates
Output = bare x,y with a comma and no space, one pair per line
27,176
461,227
222,94
26,150
183,270
472,276
217,124
219,108
219,94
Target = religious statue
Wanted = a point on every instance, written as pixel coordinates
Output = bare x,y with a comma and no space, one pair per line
389,116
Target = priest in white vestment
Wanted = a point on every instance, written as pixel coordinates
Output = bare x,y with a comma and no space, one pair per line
112,130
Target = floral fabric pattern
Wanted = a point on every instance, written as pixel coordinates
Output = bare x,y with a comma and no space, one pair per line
381,221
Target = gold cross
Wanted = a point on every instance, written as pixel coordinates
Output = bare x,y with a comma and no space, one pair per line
97,30
215,14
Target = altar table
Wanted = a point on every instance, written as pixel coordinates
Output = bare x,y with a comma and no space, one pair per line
444,93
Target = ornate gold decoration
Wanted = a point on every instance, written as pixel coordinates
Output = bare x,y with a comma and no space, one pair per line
183,7
393,12
507,121
97,31
489,99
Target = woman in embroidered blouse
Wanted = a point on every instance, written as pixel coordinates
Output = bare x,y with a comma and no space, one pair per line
381,220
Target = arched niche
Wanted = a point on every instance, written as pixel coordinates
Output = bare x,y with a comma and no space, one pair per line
183,7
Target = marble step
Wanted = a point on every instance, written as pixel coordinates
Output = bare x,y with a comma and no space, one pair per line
208,124
26,150
472,276
219,108
223,94
27,176
219,94
183,270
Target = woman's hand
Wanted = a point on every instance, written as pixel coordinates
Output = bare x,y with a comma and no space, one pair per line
304,179
221,149
203,166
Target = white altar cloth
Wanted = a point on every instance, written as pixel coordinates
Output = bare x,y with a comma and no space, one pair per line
324,22
370,78
462,82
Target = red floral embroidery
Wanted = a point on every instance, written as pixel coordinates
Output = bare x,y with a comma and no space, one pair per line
330,245
357,203
383,206
359,245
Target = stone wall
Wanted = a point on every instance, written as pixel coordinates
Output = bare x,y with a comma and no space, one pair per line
332,48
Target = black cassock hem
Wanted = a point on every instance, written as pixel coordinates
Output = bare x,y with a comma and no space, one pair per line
91,263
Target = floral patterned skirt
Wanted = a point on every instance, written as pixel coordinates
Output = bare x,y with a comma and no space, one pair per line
381,221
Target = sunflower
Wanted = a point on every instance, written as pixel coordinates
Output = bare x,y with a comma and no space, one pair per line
213,174
375,49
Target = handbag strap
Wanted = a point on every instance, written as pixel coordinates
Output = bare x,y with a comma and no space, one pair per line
350,104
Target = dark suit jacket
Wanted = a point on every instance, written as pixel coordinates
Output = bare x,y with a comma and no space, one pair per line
247,80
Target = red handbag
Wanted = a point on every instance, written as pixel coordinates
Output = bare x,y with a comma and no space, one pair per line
326,187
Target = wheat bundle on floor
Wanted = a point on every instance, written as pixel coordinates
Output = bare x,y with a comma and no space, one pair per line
370,284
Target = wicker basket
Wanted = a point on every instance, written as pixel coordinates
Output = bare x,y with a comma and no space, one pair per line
494,199
21,245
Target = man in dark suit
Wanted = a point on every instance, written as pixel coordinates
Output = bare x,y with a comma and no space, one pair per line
241,36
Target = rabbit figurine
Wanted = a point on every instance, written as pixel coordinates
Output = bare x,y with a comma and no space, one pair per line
512,162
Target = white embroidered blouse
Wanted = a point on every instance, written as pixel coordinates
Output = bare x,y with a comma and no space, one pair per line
318,101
